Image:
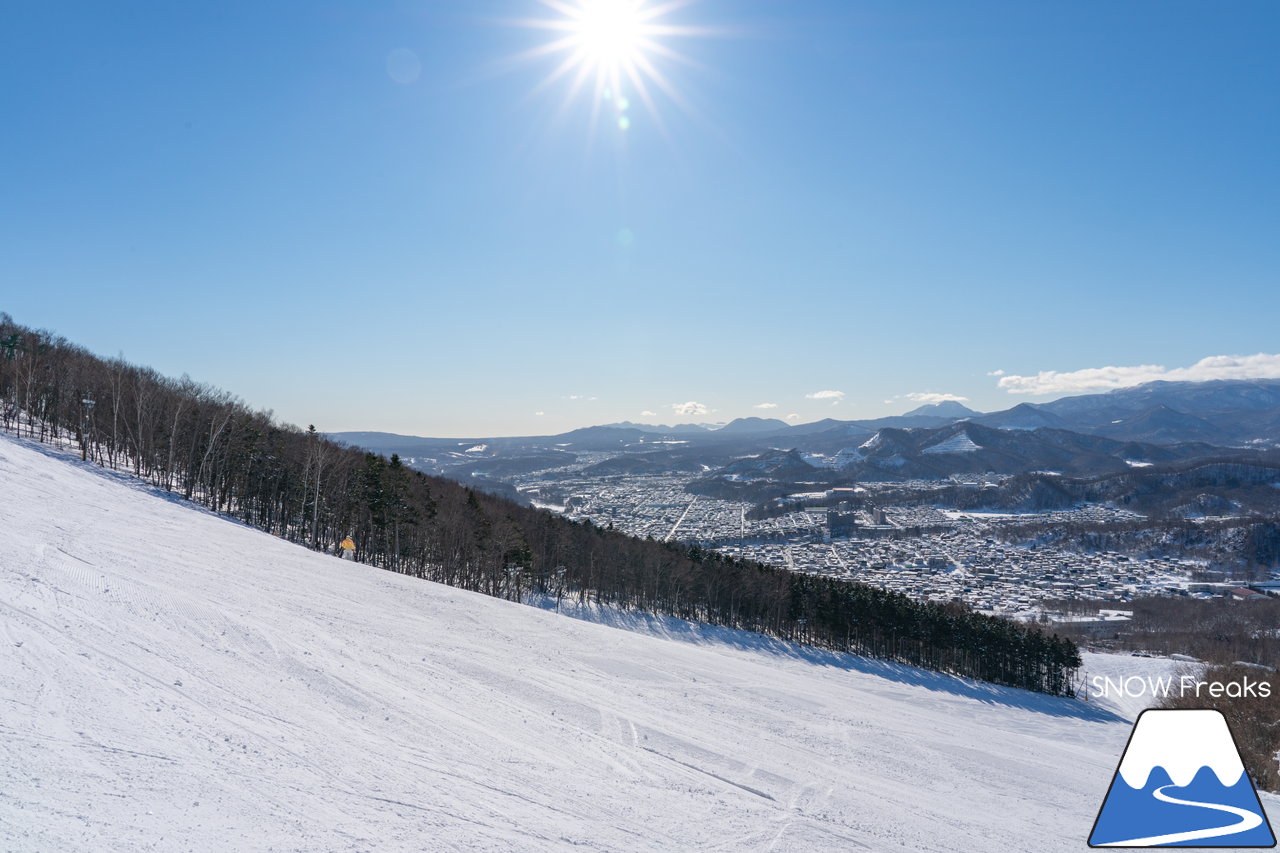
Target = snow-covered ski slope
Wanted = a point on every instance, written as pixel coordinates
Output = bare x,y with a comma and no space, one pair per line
170,680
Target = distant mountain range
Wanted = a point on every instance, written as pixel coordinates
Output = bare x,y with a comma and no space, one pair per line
971,447
1195,489
1092,434
945,409
1228,413
1232,413
965,447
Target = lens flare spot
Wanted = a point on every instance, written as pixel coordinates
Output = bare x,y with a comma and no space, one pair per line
403,66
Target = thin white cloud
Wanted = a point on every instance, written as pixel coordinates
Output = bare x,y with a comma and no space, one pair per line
539,414
1260,366
648,414
928,397
691,408
765,406
995,373
825,395
793,417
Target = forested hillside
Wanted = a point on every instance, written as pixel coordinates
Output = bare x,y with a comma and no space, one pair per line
211,448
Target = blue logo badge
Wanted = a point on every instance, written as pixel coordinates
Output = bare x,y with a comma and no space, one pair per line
1181,783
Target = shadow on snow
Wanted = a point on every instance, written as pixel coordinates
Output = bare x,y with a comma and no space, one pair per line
696,633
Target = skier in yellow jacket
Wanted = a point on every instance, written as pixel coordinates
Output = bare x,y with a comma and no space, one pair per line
347,550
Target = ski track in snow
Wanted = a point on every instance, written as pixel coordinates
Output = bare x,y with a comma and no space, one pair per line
171,680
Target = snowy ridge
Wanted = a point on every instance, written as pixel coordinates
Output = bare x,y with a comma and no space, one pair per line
1181,742
958,443
872,442
850,455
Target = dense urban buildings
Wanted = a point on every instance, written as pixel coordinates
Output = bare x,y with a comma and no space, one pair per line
926,553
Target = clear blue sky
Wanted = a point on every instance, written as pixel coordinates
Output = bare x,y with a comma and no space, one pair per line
359,215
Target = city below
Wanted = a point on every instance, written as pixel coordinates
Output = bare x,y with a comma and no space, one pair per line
925,553
1060,511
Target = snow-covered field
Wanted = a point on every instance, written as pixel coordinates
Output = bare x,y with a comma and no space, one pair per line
1141,679
170,680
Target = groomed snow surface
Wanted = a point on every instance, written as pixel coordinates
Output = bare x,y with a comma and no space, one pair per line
170,680
958,443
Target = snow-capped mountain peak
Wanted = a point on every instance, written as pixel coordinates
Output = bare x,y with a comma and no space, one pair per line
1181,742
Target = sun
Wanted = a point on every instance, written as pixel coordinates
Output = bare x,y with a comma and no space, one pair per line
610,33
613,49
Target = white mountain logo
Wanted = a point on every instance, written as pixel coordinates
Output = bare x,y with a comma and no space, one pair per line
1181,783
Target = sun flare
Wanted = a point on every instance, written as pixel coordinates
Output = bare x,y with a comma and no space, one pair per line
613,49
